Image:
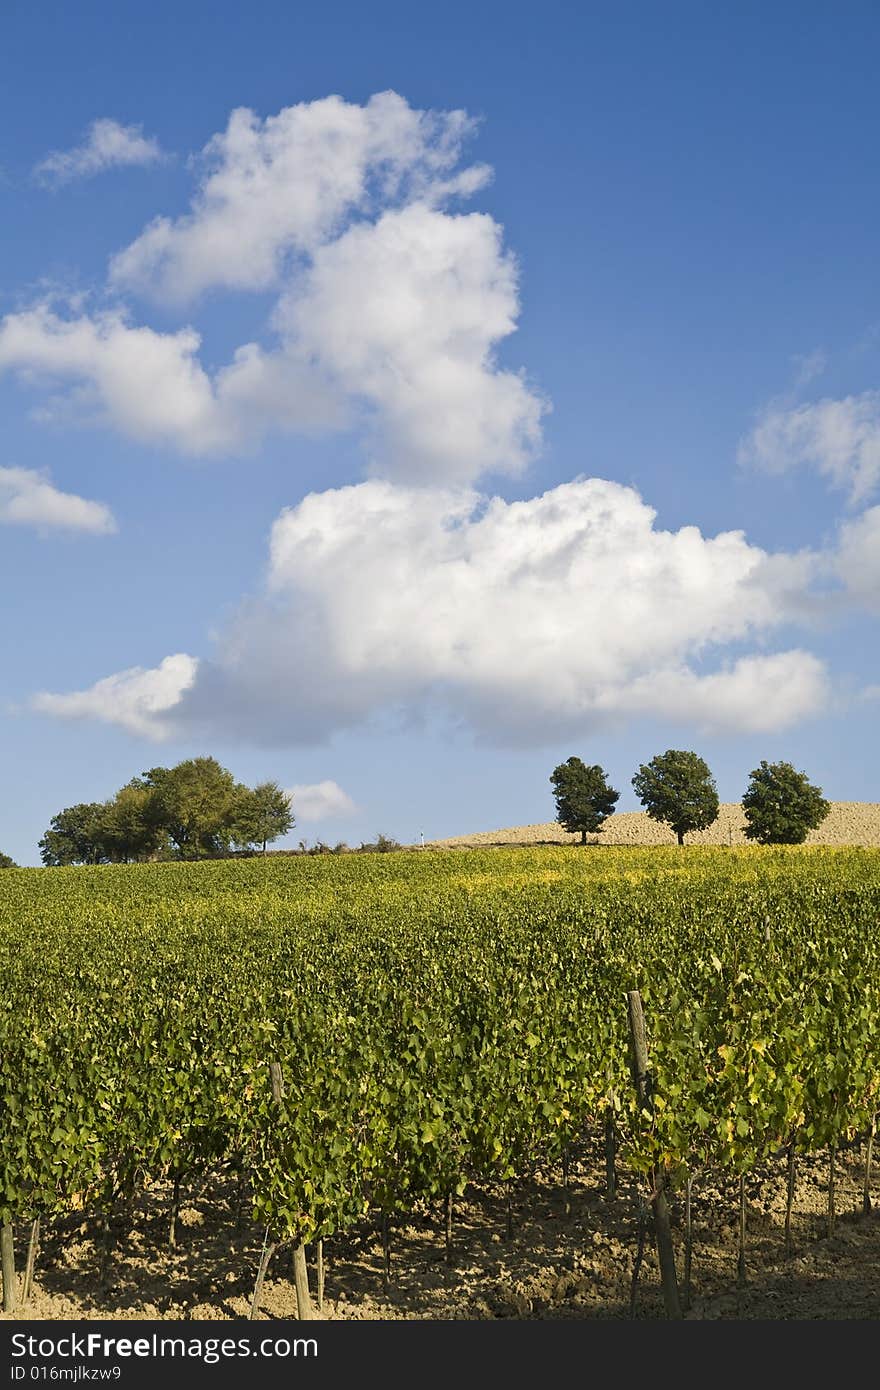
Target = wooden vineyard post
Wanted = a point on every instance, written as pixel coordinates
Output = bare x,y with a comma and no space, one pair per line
659,1205
300,1268
866,1187
319,1264
33,1246
7,1258
610,1156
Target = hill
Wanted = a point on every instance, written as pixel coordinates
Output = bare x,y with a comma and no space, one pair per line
847,823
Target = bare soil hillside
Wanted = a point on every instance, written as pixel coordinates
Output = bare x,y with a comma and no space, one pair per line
848,823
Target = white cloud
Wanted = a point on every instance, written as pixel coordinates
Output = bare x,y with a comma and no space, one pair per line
285,184
521,619
756,694
840,438
151,386
135,700
320,801
389,310
28,498
107,145
405,313
857,560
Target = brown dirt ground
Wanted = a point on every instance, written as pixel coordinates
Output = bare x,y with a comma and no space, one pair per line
847,823
571,1255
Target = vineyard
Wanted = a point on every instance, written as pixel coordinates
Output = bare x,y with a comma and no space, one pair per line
341,1043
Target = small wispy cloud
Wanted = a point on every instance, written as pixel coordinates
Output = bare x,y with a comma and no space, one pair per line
320,801
107,145
28,498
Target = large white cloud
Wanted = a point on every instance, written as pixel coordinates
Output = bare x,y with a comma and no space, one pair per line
521,619
136,700
404,314
389,309
28,498
152,387
107,145
285,185
840,438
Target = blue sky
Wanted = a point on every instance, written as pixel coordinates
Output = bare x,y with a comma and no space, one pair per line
397,402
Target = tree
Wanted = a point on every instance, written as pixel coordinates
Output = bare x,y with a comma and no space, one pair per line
584,800
7,863
133,823
677,788
262,815
196,802
781,805
77,835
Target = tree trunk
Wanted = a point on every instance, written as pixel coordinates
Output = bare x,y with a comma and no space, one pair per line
583,837
680,834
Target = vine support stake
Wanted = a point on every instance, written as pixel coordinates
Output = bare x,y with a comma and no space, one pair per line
266,1255
319,1264
741,1252
866,1189
659,1205
610,1155
789,1196
688,1240
33,1248
448,1206
7,1258
301,1282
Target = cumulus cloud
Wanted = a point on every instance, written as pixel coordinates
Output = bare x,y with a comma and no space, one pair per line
107,145
840,438
320,801
389,309
405,314
135,700
857,560
28,498
285,184
566,611
152,387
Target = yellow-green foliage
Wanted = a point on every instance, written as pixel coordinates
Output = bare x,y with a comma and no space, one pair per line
439,1017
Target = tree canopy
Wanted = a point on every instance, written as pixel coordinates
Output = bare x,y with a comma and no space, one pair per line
262,815
7,863
584,800
678,789
195,810
781,805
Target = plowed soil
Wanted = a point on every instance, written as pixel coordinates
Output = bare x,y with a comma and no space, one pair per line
847,823
570,1254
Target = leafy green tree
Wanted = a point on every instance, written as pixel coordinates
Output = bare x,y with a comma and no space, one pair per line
584,800
7,863
196,803
133,823
77,835
781,805
262,815
678,789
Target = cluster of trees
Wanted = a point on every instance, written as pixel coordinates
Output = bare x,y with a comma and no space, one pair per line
6,862
780,804
195,810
